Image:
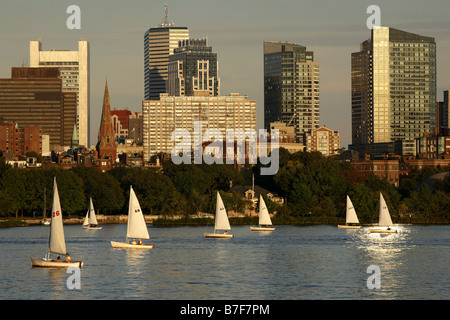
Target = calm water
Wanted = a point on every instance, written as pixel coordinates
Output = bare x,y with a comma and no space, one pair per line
293,262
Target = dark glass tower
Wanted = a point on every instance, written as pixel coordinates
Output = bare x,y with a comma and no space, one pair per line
291,87
193,70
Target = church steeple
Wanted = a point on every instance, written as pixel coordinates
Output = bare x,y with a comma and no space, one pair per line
106,145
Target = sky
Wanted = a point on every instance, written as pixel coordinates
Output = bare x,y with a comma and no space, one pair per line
236,30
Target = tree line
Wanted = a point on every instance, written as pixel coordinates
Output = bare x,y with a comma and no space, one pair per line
313,186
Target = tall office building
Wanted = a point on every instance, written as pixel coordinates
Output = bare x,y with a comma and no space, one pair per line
164,116
74,72
193,70
393,89
291,87
159,43
33,97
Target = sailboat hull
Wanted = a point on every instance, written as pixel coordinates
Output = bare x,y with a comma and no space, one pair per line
125,245
379,230
92,228
218,235
348,227
261,228
44,263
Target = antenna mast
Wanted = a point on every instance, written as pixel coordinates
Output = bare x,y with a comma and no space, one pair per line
166,14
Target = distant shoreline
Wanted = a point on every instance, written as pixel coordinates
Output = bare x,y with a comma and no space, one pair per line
199,221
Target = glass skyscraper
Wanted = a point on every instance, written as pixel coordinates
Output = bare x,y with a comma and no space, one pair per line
291,87
159,43
393,88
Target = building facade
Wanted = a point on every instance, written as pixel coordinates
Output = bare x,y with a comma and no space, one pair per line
159,44
393,87
19,141
74,72
291,87
164,116
34,97
193,70
443,112
324,140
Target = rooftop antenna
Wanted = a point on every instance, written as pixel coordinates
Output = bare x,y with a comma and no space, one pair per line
166,14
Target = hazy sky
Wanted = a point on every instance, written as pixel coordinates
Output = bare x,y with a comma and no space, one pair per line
333,29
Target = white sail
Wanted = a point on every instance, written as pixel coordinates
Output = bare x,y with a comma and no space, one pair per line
57,242
221,222
86,219
92,217
385,217
264,217
136,227
351,216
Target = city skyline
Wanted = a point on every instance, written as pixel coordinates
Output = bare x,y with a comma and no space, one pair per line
236,31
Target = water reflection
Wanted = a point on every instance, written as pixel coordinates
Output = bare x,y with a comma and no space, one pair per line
388,252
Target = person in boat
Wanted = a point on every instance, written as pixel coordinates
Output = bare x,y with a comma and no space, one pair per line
58,259
140,242
134,241
68,258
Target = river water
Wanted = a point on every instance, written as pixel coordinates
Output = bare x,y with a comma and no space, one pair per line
290,263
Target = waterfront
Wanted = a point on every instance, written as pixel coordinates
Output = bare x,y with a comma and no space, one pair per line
291,263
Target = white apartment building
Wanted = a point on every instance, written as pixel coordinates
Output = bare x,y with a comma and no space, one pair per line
162,117
74,72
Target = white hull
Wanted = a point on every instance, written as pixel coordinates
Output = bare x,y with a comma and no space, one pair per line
260,228
379,230
131,246
218,235
92,228
44,263
348,227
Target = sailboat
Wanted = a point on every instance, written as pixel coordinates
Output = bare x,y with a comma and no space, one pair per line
90,222
264,218
56,243
351,219
385,221
136,227
221,221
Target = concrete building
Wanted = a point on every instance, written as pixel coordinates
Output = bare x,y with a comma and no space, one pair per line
33,97
291,87
393,89
159,43
164,116
74,72
324,140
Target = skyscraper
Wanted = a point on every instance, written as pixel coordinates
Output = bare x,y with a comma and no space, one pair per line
291,87
193,70
159,43
393,88
74,71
